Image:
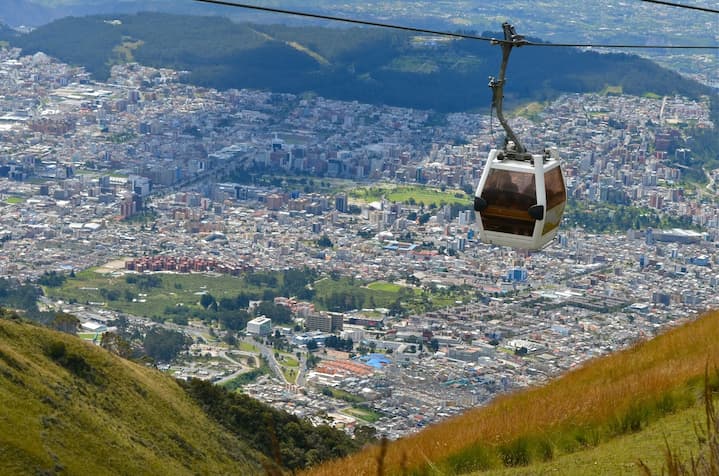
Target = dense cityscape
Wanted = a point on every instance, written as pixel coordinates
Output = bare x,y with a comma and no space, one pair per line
147,175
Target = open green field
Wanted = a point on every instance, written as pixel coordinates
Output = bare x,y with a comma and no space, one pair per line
347,293
159,295
247,347
290,366
14,200
174,290
344,395
384,286
612,90
290,374
288,360
530,110
411,195
366,414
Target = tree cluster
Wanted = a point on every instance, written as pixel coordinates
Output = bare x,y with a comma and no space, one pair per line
601,219
163,345
277,313
16,295
292,443
144,281
52,279
338,343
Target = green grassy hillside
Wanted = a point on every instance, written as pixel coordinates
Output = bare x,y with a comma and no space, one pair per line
602,418
622,455
71,408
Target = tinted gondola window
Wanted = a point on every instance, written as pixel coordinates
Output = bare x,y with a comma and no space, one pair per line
554,184
512,190
556,199
509,195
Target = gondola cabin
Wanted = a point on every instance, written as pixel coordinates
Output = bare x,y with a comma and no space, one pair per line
520,202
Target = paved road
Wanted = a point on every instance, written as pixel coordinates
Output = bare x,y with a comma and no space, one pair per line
269,354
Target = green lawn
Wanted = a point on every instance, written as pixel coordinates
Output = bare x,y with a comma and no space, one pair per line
175,290
185,290
247,347
385,286
366,414
14,200
290,374
612,90
290,366
415,194
340,394
531,111
288,360
348,293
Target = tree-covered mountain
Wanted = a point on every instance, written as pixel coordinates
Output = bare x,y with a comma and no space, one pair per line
7,33
365,64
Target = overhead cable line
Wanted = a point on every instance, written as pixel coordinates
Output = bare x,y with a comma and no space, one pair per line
620,46
346,20
681,5
446,33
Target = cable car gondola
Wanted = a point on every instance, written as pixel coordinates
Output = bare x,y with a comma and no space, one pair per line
521,196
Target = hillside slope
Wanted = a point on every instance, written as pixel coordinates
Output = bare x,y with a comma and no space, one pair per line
365,64
606,399
622,455
70,407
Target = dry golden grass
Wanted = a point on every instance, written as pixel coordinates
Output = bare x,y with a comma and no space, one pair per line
601,391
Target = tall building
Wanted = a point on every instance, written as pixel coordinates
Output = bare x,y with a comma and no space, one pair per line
274,201
517,275
329,322
341,203
139,185
260,326
129,205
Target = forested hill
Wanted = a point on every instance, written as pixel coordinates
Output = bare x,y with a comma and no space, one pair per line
365,64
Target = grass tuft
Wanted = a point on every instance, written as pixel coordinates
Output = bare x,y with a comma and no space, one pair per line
478,457
516,453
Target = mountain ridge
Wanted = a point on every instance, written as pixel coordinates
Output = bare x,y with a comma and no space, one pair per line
363,64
